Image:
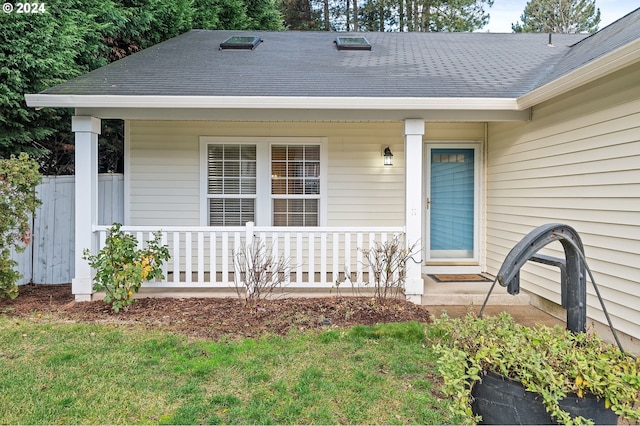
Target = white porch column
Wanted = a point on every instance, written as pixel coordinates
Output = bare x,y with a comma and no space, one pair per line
86,131
413,132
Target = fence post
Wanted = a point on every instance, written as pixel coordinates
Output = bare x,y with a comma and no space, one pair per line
248,251
249,234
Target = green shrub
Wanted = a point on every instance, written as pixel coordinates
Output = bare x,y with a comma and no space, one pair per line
551,362
18,202
121,267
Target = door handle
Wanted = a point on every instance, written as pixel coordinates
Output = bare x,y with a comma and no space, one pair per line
428,203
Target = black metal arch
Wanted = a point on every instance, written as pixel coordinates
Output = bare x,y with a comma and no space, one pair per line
572,268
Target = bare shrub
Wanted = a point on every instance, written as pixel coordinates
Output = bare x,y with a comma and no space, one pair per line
388,263
258,272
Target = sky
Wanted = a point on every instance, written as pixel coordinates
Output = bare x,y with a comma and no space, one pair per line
506,12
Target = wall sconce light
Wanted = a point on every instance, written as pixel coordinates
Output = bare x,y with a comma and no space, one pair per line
388,157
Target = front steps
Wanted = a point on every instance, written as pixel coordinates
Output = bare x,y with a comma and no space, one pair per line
468,293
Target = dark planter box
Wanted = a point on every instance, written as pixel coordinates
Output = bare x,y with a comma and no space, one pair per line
500,401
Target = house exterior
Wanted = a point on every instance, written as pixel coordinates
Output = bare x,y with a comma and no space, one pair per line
281,136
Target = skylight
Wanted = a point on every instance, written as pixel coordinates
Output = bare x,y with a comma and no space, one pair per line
241,42
352,43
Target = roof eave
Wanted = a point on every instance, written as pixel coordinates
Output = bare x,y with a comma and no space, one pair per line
616,60
42,100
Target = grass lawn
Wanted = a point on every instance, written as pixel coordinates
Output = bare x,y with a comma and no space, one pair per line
55,373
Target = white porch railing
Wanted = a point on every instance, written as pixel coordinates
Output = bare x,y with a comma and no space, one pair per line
319,256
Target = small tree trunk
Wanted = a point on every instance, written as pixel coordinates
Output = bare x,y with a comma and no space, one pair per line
327,25
346,12
355,15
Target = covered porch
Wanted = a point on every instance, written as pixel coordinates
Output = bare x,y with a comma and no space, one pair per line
322,257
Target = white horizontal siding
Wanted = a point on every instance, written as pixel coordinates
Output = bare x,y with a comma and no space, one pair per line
164,163
361,190
164,166
454,131
577,162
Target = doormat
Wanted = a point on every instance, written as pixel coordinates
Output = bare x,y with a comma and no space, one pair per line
449,278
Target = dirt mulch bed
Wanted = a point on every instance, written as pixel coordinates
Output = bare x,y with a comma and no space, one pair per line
213,318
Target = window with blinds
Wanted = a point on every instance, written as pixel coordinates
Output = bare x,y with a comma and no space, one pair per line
231,184
265,181
295,184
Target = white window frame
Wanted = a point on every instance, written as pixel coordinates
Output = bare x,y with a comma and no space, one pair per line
264,197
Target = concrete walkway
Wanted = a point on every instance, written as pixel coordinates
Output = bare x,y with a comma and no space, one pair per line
459,298
523,314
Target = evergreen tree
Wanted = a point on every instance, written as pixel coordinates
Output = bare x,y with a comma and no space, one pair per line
263,15
304,15
559,16
71,37
219,15
387,15
458,15
38,51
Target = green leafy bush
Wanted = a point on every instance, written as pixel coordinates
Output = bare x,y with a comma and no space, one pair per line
19,177
551,362
121,267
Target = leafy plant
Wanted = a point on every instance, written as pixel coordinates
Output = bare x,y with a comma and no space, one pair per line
19,177
387,261
549,361
258,272
121,267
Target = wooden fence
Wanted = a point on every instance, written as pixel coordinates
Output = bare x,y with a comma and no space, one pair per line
49,259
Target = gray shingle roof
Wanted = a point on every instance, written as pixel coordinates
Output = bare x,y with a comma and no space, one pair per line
307,64
619,33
